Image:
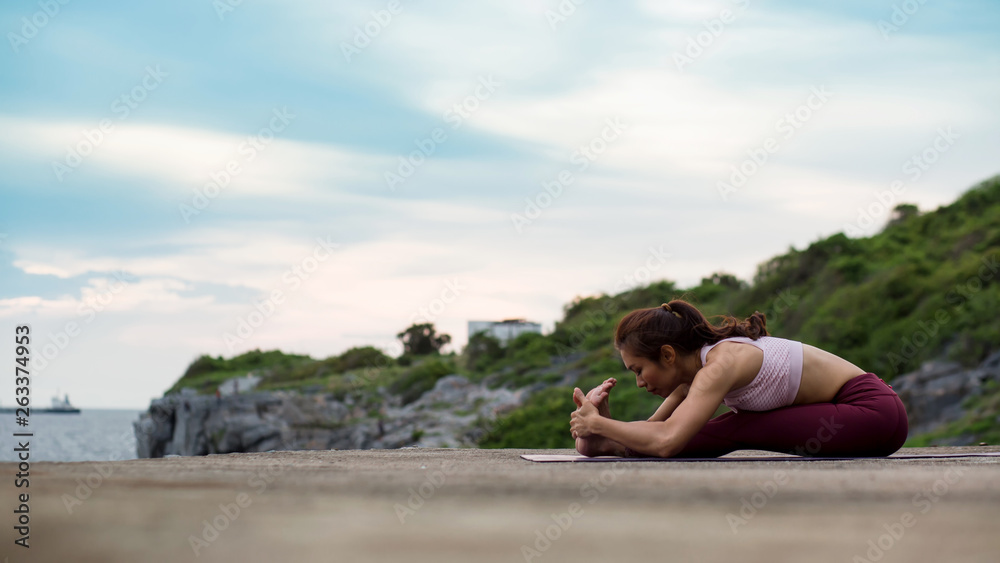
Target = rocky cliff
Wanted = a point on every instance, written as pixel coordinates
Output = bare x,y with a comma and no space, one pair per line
454,413
934,394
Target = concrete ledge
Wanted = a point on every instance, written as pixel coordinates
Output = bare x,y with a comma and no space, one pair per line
490,505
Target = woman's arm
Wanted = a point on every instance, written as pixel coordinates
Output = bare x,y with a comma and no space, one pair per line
602,445
610,447
668,437
670,403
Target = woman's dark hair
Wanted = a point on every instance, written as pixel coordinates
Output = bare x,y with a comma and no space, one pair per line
681,325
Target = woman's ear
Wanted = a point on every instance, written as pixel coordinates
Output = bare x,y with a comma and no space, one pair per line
667,354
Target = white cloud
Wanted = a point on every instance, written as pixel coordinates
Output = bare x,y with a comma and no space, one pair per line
178,159
104,295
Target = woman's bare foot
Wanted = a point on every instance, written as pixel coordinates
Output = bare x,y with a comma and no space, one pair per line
595,445
600,396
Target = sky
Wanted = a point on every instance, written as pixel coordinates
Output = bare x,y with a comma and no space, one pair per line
198,177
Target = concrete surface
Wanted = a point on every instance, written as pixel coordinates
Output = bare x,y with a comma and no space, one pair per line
463,505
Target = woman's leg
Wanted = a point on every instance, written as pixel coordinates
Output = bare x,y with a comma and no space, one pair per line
866,418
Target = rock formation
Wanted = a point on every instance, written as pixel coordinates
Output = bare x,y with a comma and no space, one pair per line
934,394
454,413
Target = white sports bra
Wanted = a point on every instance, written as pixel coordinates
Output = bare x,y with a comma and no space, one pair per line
777,382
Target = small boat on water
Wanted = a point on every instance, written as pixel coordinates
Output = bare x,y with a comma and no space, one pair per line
59,406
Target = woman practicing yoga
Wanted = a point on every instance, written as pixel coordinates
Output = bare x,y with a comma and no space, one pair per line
785,396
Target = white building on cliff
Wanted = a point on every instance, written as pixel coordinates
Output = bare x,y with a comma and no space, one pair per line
505,330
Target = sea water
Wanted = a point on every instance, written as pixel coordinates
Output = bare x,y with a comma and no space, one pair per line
92,435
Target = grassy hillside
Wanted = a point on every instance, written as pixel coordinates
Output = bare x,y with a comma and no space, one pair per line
923,288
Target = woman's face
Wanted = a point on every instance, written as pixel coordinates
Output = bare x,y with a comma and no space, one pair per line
658,377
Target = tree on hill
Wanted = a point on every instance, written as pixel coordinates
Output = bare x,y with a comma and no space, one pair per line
902,212
422,340
482,349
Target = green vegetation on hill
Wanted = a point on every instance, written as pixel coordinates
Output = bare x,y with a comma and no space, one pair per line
359,370
923,288
206,373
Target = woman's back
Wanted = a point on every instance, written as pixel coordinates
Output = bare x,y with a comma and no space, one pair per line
823,374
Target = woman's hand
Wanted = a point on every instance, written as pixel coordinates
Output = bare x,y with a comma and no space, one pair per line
582,421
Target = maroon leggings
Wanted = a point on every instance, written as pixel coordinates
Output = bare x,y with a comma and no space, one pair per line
865,418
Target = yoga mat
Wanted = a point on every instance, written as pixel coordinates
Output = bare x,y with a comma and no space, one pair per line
576,458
